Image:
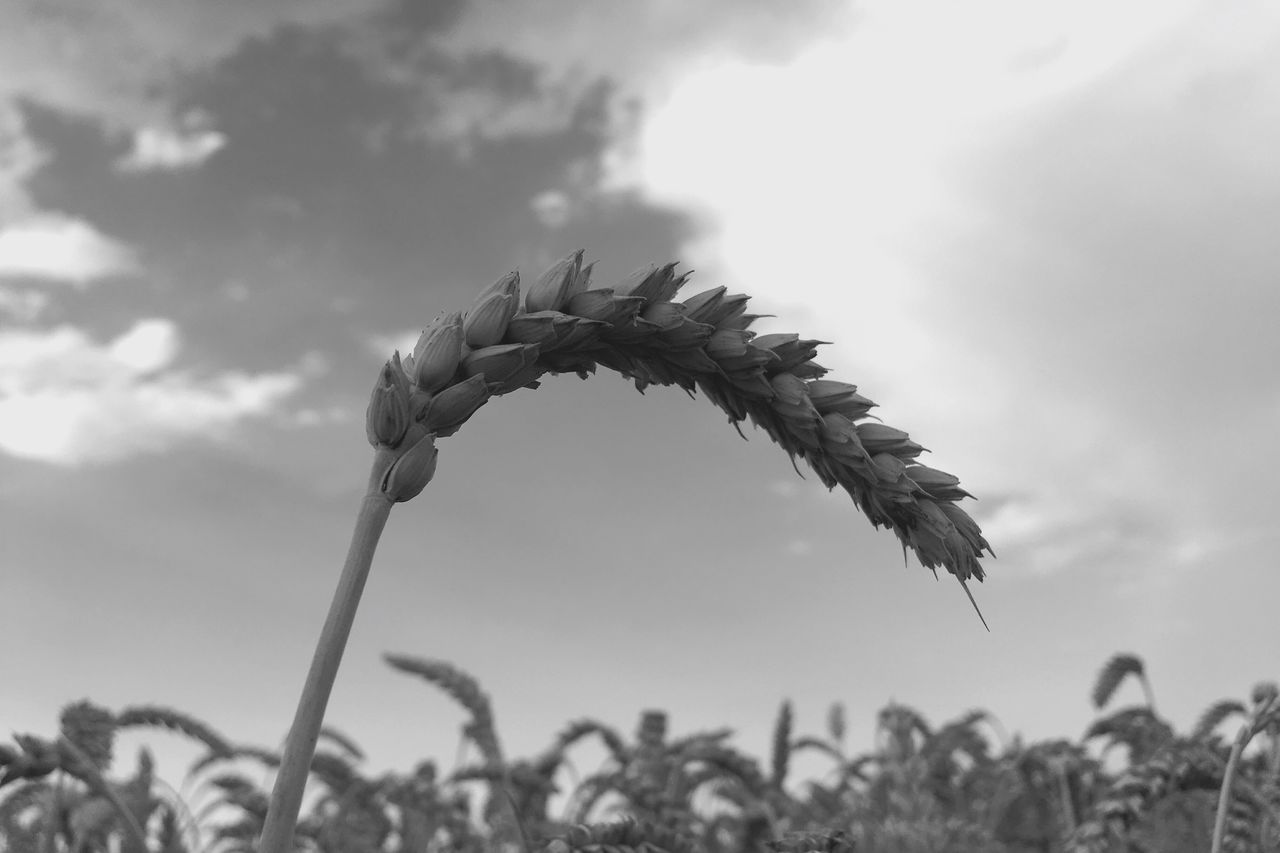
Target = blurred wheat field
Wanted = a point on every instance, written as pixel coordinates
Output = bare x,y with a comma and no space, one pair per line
1131,782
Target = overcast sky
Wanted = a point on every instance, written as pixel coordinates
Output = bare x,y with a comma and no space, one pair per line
1042,236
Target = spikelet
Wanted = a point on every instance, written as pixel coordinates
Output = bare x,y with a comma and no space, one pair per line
702,343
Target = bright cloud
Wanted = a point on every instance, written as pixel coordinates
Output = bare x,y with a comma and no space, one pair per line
824,185
60,248
402,341
552,208
67,400
149,345
171,148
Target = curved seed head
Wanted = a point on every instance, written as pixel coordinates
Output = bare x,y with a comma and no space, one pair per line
436,356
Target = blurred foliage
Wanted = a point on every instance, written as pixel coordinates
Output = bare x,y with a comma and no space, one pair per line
1130,783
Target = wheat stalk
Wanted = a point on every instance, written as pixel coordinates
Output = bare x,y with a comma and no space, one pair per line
1265,714
508,340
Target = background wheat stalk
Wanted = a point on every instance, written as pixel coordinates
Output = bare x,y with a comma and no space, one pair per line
507,340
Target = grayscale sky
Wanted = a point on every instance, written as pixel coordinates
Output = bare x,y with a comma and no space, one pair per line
1042,236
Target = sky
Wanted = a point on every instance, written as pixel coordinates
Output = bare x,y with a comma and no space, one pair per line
1039,234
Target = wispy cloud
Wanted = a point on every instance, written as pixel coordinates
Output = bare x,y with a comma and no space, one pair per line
56,247
68,400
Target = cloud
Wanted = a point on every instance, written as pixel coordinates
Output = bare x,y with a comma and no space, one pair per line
67,400
60,248
170,148
149,346
1009,232
383,345
118,60
552,208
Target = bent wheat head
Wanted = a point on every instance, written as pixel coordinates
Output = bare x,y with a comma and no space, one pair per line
502,343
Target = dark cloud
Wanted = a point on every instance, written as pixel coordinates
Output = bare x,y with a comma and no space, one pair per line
409,20
116,59
333,207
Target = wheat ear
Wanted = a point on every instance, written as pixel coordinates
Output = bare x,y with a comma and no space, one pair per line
509,340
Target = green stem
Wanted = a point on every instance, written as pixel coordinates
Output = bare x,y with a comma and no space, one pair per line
1228,777
1146,689
1064,793
300,747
